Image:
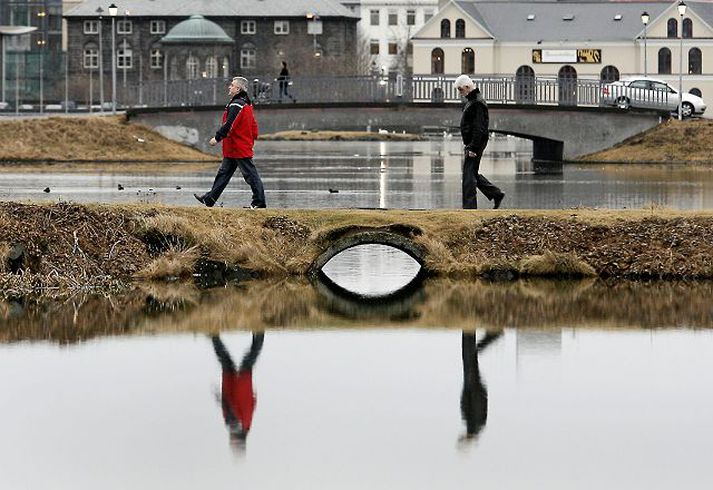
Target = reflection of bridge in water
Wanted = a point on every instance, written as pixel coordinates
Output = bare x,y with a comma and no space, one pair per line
564,118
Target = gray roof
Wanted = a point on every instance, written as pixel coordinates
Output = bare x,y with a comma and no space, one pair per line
593,21
196,30
216,8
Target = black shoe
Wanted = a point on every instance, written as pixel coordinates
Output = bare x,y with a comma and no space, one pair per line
203,200
252,206
498,199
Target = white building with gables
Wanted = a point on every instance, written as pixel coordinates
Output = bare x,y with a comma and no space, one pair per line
597,40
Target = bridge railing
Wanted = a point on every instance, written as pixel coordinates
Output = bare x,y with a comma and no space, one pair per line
395,88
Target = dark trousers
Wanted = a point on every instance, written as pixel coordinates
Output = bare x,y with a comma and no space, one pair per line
249,359
284,84
225,173
472,181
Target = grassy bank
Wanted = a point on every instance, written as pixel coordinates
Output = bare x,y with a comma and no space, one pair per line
688,141
88,139
65,248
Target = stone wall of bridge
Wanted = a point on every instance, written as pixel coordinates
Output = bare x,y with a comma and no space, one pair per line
557,132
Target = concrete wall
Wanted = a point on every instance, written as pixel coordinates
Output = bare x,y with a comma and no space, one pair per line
582,130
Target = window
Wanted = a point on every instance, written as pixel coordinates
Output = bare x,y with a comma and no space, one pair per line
609,74
374,17
248,56
248,27
525,85
460,28
445,28
467,61
410,17
437,61
91,27
672,28
427,14
91,56
226,67
124,27
393,18
695,65
211,67
393,47
124,56
156,58
664,61
158,27
687,29
696,91
374,46
192,67
282,27
567,86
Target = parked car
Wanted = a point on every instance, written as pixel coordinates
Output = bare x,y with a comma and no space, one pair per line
650,93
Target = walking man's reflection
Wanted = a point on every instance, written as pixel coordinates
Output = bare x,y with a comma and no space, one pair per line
237,395
474,399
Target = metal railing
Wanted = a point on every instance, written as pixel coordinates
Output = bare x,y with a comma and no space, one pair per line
393,89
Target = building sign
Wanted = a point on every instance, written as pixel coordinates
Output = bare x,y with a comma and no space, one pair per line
566,55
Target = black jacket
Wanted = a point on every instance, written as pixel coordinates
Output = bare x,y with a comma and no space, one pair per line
474,122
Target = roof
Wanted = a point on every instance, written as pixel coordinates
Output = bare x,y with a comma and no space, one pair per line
591,21
196,30
216,8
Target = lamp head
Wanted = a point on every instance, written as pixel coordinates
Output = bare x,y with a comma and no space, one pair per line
682,8
645,18
113,10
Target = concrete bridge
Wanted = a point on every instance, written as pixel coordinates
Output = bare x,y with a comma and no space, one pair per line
558,132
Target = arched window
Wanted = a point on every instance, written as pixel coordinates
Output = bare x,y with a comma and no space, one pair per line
460,29
664,61
609,74
687,28
672,28
248,56
226,67
467,61
91,56
437,61
445,28
695,61
192,67
211,67
173,68
124,56
696,92
525,85
567,82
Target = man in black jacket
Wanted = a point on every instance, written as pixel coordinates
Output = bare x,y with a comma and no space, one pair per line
474,130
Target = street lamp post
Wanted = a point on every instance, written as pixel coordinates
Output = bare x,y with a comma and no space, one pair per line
41,44
100,11
681,11
113,10
645,21
124,45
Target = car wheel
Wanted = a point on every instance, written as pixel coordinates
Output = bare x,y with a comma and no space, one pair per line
686,109
623,103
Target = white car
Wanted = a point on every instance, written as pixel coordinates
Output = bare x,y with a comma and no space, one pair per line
650,93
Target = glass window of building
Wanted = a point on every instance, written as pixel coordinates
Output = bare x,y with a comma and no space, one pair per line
156,58
672,28
374,46
91,57
248,27
192,68
374,17
695,61
664,61
211,67
124,27
158,27
282,27
445,28
124,56
91,27
410,17
248,56
687,29
393,47
393,18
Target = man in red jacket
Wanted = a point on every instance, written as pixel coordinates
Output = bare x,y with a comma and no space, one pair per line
237,134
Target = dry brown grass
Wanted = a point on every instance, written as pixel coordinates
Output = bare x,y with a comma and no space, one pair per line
339,136
173,264
4,256
92,138
671,142
552,264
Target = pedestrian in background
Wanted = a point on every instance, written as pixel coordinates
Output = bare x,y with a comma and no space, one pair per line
474,131
237,135
284,82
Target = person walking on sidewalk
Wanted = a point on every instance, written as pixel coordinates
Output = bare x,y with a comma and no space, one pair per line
284,83
474,130
237,134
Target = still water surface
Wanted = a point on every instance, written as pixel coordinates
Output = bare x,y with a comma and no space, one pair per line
389,175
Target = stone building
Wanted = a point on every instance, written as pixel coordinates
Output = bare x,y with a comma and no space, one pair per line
569,39
155,39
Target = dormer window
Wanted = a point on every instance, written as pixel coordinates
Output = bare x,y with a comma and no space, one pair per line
617,17
568,17
531,17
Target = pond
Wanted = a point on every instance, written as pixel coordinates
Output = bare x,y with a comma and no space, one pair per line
388,175
294,384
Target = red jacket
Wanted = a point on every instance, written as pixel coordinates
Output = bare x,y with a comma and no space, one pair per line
238,397
239,129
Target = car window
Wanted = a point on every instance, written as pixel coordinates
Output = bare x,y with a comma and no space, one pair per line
639,84
660,86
